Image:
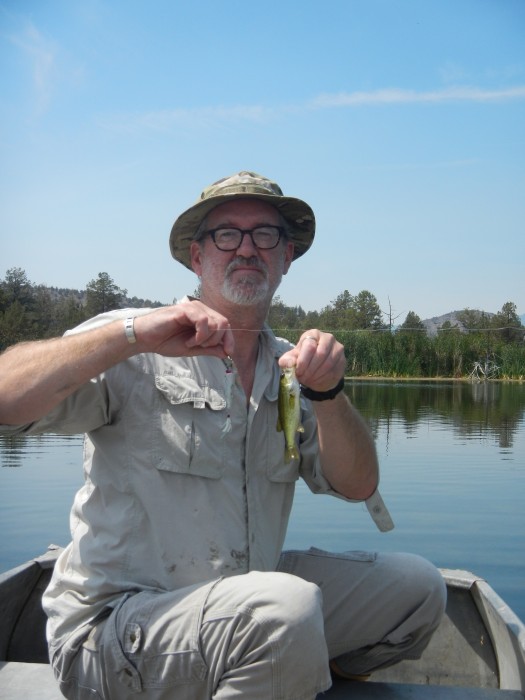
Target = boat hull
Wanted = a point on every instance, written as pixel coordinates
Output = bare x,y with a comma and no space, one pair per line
477,652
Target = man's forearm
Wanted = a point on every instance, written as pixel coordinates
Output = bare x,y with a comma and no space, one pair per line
36,376
348,453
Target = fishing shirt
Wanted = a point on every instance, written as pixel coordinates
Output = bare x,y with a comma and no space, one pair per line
185,480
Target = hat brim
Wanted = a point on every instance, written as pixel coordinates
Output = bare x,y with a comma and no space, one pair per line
298,215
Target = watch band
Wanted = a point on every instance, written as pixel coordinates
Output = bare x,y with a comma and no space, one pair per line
323,395
129,330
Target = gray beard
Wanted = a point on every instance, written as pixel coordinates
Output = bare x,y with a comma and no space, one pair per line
245,292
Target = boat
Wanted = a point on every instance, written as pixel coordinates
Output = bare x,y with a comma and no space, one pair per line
478,652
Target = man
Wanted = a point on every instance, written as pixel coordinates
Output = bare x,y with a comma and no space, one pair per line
174,585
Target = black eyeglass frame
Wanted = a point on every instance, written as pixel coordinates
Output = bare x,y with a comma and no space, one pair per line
246,231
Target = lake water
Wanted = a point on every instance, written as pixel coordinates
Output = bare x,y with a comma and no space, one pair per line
452,474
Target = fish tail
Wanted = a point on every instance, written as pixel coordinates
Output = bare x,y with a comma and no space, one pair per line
291,453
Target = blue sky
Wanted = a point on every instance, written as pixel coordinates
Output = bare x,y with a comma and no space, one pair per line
402,123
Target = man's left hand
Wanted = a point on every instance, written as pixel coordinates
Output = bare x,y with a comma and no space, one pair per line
319,360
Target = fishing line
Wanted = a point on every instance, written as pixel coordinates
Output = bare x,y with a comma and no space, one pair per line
375,330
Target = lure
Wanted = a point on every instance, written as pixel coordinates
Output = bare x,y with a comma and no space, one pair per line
229,379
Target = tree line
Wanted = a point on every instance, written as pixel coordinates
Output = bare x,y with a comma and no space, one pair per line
372,347
34,311
477,345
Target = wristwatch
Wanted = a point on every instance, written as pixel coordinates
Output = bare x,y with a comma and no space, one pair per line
323,395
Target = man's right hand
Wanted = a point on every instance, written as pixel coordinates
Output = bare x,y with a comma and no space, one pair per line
188,328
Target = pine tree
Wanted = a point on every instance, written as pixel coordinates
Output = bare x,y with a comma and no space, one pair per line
102,294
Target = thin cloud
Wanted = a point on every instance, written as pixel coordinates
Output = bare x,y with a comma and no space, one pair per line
223,116
201,117
445,164
391,96
41,54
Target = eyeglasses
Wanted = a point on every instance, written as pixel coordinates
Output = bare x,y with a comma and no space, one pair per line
263,237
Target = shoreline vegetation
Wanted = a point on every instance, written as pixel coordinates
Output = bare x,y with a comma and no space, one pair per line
476,355
469,346
447,380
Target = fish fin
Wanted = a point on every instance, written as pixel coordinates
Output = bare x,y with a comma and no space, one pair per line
300,428
279,426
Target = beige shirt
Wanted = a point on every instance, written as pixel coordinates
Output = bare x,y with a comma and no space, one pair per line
183,482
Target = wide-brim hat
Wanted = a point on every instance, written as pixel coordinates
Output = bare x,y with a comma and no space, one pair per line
244,185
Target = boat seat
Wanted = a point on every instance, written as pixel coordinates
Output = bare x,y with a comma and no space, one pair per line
36,681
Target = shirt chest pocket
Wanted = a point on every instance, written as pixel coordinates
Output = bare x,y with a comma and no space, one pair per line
189,420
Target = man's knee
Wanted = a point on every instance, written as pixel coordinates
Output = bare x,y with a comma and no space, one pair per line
426,587
418,607
271,623
408,605
292,601
286,604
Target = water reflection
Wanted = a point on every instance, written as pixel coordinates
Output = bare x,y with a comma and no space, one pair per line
473,410
15,449
12,450
452,459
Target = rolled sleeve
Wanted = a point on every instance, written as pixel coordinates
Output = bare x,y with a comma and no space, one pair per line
83,411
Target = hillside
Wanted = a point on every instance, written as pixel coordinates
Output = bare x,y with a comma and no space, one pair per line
79,296
432,324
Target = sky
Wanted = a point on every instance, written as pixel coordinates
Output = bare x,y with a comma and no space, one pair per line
401,122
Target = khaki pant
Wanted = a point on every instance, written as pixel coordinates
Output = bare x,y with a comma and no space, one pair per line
261,636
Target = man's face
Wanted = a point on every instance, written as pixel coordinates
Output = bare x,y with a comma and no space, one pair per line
248,275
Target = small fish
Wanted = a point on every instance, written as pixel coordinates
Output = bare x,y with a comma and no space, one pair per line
289,416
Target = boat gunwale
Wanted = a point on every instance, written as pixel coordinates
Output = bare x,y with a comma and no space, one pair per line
506,630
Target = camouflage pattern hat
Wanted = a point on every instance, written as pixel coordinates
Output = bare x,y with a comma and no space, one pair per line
298,215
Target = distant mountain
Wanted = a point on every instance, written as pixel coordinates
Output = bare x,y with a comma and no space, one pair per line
432,324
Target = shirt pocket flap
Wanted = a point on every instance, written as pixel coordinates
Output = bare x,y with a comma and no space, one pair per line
187,427
183,389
